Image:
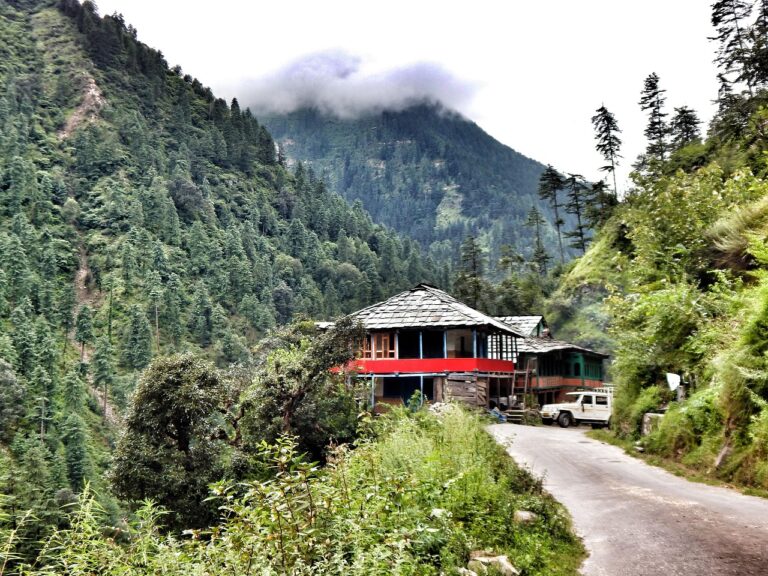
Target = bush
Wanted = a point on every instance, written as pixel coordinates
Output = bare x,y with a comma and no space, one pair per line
685,427
413,497
629,409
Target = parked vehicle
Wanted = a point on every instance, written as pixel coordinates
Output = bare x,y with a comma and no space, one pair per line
589,407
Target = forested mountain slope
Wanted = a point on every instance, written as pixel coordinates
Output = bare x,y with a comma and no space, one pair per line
425,171
140,215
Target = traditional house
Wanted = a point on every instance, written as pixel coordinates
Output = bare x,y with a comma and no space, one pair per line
549,368
425,340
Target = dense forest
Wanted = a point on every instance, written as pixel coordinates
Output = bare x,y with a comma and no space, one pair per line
167,406
424,171
143,216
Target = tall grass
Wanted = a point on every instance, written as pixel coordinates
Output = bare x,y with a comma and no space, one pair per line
414,496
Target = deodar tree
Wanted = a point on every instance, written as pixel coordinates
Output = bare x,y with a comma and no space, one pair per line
550,183
608,141
652,101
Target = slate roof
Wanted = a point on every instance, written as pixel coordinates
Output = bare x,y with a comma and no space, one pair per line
426,307
534,345
526,324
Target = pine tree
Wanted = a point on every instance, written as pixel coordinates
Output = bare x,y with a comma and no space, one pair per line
75,443
154,287
758,35
12,394
550,183
599,204
74,391
608,142
652,100
65,304
540,257
83,329
470,286
577,191
201,317
684,127
137,340
733,55
103,370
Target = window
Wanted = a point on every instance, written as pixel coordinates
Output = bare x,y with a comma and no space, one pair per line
586,400
384,345
365,349
601,400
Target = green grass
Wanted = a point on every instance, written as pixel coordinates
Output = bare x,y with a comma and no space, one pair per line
414,496
672,466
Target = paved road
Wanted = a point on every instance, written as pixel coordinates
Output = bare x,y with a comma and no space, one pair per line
636,519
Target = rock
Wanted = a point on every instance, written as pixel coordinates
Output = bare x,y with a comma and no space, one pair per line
723,455
439,513
476,567
651,421
480,554
480,564
467,572
525,517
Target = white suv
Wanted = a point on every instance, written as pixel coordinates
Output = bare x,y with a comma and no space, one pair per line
588,407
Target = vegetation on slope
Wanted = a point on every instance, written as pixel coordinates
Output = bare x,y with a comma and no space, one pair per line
424,171
678,276
141,216
415,496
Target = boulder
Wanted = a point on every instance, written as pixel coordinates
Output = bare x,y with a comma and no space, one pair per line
480,564
525,517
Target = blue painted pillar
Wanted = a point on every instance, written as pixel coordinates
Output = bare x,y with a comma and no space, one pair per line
373,391
421,389
397,345
474,343
421,345
445,343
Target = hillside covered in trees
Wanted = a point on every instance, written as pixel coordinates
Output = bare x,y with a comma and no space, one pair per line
676,279
141,216
424,171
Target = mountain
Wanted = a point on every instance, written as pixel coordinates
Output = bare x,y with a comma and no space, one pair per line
140,215
425,171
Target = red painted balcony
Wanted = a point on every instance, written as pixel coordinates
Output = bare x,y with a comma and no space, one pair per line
431,365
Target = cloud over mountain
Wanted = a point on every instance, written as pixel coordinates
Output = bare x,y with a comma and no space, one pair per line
336,83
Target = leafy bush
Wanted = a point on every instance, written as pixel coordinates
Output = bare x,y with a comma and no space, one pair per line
413,497
629,409
685,427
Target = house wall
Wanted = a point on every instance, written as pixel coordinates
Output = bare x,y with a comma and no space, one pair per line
466,388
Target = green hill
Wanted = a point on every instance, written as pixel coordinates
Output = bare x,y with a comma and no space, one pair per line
424,171
141,215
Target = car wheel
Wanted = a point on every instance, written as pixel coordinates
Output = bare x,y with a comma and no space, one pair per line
564,420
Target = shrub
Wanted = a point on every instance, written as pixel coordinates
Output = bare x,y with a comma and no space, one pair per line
413,497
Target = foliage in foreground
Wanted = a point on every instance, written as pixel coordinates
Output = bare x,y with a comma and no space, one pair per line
413,497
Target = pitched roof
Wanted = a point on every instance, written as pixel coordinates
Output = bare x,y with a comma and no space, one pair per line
526,324
534,345
426,307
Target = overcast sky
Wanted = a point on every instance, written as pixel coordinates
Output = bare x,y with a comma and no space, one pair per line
529,73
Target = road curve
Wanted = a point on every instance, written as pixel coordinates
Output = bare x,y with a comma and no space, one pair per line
637,519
